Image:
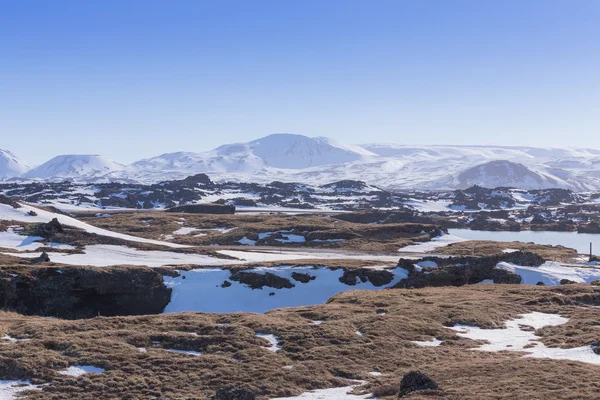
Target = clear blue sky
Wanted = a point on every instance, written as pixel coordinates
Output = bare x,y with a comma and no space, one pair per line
135,78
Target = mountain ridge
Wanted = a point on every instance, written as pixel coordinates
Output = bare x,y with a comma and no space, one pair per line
321,160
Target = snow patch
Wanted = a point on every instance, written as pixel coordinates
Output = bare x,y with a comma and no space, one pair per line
513,338
78,370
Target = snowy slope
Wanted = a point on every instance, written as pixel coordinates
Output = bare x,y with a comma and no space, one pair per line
75,166
319,161
285,151
11,165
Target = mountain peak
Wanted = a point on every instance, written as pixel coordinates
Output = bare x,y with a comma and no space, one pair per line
75,166
10,165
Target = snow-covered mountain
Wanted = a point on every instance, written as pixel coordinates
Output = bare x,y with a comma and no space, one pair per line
79,167
285,151
318,161
11,165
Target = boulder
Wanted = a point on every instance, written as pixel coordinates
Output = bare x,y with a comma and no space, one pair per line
567,282
415,381
302,277
49,229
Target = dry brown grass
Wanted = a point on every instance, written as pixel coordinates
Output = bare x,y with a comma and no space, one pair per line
388,237
481,248
321,354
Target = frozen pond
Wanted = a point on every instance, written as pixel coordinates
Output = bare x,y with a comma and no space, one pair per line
200,290
574,240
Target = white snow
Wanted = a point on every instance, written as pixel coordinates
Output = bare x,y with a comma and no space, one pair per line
283,255
485,282
8,213
101,255
247,242
78,370
341,393
510,250
434,243
314,161
432,343
12,339
272,339
75,166
551,273
10,389
375,373
513,338
187,352
184,231
11,165
201,290
12,240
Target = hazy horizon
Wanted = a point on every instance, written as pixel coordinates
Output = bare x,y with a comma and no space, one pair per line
131,80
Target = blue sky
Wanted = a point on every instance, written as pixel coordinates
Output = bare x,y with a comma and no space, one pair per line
131,79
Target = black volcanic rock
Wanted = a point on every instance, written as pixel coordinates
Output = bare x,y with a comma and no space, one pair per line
84,292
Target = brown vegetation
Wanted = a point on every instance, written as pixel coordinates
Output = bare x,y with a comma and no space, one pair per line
321,355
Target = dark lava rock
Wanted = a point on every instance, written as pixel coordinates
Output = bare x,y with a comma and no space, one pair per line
595,283
32,213
376,277
540,283
50,229
272,294
414,381
8,201
258,281
592,227
225,284
458,271
227,393
209,208
567,282
84,292
303,278
44,257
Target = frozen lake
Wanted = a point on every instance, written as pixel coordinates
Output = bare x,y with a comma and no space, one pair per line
574,240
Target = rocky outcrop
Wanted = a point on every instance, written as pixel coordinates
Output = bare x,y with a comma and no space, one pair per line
257,281
84,292
302,277
376,277
458,271
208,208
49,229
9,201
415,381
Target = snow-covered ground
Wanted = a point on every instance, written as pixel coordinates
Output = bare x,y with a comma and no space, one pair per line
12,240
9,390
513,338
7,213
551,273
341,393
101,255
78,370
201,290
273,340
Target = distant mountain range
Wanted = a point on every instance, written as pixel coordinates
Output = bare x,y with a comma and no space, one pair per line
297,158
